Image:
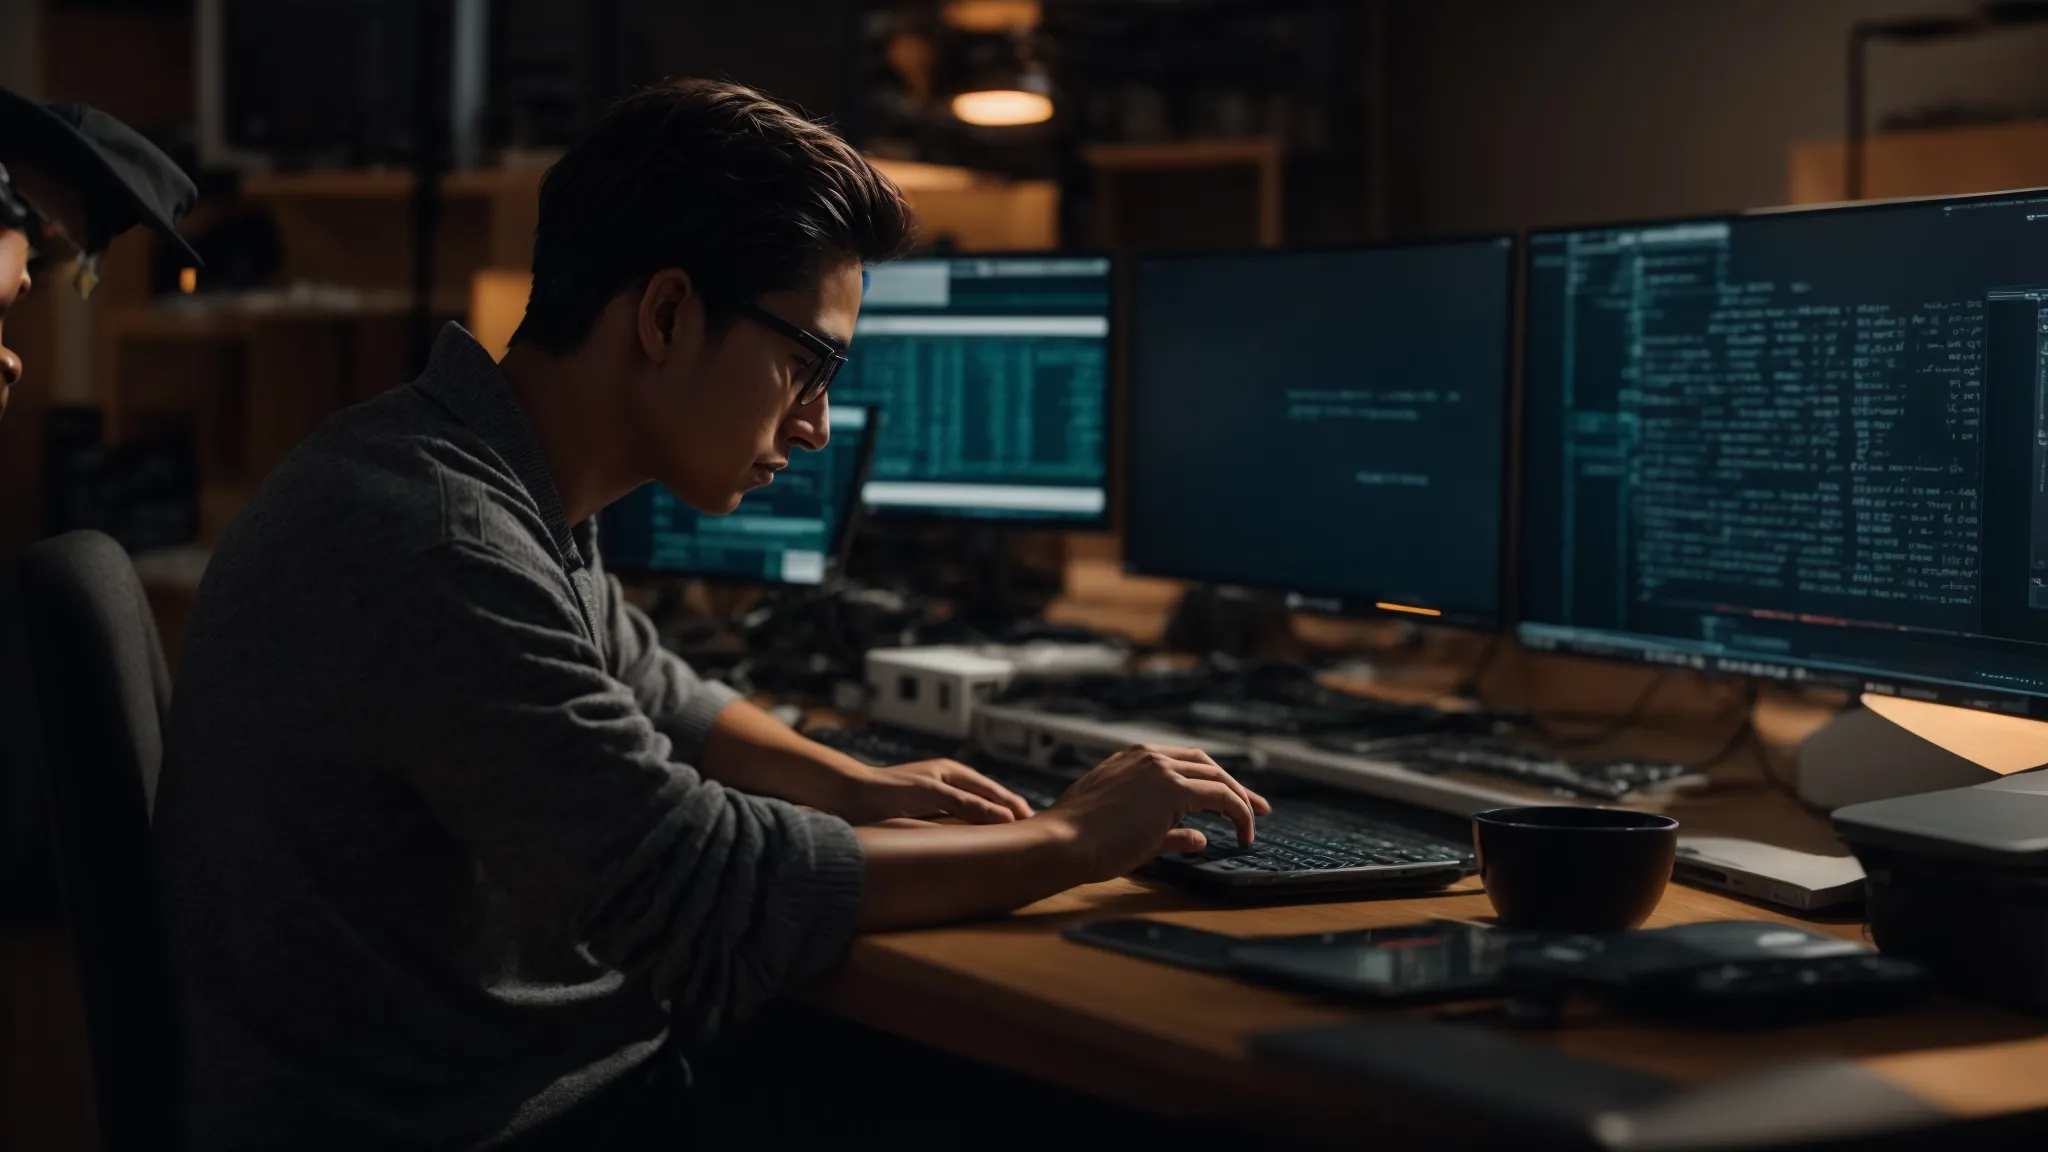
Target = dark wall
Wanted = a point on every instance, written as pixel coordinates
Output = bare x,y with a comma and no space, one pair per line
1510,113
556,63
798,50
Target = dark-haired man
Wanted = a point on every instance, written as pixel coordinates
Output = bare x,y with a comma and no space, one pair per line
454,852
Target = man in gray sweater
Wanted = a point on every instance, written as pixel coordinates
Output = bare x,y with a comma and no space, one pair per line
454,853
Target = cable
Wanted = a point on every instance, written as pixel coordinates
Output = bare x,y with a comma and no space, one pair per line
1627,720
1469,683
1745,733
1787,788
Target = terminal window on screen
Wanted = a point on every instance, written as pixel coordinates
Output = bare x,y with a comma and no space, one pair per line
780,534
1328,422
992,374
1798,444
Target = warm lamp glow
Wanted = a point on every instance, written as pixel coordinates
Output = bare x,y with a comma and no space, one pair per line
1002,108
497,302
188,280
917,176
991,15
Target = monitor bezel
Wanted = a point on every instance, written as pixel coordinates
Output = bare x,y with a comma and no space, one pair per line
1095,522
837,550
1352,605
1643,649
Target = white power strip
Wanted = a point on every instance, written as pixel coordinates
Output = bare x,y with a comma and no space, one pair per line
937,688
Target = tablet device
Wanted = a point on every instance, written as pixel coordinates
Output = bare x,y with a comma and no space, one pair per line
1332,961
1439,960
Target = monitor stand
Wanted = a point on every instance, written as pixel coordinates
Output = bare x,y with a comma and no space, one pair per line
968,565
1885,746
1211,620
995,590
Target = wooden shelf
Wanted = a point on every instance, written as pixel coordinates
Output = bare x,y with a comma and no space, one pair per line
919,176
1184,154
212,322
1188,193
1936,162
354,227
386,183
977,211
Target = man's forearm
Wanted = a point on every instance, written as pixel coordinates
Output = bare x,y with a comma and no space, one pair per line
919,876
754,752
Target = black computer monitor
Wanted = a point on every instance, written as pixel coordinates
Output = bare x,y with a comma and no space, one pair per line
1331,425
794,531
1803,445
994,370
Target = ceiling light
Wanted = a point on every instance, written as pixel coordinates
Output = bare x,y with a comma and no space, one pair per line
1002,107
1004,82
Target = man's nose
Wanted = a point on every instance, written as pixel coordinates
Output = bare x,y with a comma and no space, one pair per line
814,423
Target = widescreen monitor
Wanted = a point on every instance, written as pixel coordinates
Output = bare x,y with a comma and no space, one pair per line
1803,445
1328,425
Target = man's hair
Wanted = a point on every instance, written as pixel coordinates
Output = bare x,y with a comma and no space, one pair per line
737,190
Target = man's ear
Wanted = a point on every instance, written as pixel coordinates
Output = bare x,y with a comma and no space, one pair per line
670,315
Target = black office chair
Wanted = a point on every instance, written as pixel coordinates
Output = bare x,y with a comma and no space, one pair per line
102,686
28,868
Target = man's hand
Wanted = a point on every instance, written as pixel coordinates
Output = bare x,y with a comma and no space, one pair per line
752,751
1128,809
1111,821
929,788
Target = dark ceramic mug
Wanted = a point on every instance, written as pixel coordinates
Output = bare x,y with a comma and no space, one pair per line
1566,868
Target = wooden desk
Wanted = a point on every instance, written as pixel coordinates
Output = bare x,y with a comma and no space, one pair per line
1010,992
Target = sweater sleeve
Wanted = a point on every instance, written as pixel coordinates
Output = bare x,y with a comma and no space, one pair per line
550,772
681,705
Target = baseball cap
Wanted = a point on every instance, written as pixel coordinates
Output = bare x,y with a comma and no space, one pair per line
123,178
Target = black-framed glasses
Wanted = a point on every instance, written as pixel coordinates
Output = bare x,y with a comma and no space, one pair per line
829,359
49,243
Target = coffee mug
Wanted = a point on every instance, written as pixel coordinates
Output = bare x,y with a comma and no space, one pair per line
1566,868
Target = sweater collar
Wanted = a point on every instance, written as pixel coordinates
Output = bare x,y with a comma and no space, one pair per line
463,378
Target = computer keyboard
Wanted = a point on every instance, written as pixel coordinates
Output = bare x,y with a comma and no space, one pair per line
1277,698
1604,779
1332,846
885,746
1329,845
1309,835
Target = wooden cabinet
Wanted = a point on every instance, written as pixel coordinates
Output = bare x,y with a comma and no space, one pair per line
1188,194
1937,162
252,373
248,383
355,228
977,211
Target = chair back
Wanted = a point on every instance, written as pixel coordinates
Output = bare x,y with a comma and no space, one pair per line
102,688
